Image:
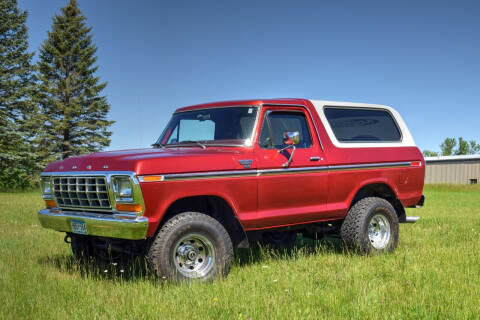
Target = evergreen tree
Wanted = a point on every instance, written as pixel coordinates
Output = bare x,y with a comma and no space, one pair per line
17,163
73,111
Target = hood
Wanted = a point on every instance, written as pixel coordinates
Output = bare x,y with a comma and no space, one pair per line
157,161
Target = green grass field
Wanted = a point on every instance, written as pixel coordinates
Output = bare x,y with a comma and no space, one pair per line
434,274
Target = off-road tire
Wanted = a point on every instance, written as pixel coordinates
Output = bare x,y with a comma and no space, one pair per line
161,253
354,230
279,239
82,249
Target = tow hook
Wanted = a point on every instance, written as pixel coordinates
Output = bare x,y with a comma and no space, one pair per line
67,239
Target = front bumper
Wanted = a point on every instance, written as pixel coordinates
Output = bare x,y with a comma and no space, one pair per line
102,225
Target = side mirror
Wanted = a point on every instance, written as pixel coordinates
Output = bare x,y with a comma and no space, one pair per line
291,138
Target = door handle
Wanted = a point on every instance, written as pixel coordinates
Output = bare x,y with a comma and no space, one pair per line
315,158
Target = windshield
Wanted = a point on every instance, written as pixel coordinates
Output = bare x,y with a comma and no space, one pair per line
216,126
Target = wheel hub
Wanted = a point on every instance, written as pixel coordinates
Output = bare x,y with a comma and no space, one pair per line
379,231
187,252
194,255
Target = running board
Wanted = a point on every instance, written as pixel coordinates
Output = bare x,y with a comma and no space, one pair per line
411,219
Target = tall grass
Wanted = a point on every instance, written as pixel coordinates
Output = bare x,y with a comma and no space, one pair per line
435,273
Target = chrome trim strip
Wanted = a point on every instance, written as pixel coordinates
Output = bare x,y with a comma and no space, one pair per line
370,165
209,175
103,225
292,170
263,172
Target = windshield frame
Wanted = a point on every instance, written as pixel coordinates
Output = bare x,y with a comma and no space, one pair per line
248,141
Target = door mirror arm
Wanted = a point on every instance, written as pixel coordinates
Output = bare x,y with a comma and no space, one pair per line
290,159
291,139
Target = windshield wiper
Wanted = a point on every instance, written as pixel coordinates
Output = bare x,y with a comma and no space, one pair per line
192,141
184,143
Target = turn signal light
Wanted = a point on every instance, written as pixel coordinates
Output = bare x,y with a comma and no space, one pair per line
51,203
128,207
416,163
153,178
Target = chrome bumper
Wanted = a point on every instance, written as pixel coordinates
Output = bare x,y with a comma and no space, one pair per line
102,225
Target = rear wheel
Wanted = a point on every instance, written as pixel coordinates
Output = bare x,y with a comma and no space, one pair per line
191,245
371,226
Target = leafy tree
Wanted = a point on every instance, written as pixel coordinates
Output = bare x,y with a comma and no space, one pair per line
474,147
463,147
447,146
452,146
17,162
74,113
428,153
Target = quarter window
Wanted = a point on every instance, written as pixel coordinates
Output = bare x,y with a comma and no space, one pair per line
276,123
362,125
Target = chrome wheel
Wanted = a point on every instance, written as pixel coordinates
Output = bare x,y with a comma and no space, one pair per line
379,231
194,255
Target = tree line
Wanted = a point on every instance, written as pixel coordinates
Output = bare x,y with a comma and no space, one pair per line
52,109
452,147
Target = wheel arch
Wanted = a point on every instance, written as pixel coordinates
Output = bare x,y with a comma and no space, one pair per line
213,206
380,189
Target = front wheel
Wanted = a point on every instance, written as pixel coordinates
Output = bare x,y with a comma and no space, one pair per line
191,245
371,226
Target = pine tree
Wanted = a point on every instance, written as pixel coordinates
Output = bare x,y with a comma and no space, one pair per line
17,163
73,111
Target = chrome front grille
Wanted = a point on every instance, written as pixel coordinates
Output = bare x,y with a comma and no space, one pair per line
82,192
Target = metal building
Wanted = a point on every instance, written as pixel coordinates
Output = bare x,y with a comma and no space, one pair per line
453,169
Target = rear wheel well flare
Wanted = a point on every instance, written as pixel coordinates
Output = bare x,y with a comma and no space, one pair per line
381,190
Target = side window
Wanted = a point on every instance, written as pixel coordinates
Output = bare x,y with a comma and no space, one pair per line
276,123
362,125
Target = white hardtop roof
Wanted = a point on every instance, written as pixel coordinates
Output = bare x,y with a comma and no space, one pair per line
348,104
407,139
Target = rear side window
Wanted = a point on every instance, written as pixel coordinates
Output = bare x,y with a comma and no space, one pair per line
362,125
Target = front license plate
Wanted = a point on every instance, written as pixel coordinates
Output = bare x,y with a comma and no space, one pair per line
78,226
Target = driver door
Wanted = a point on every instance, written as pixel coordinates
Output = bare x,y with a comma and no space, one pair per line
295,192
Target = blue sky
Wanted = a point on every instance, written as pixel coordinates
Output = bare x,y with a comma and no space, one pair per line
420,57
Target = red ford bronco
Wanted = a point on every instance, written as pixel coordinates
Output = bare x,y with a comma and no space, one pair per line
224,174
